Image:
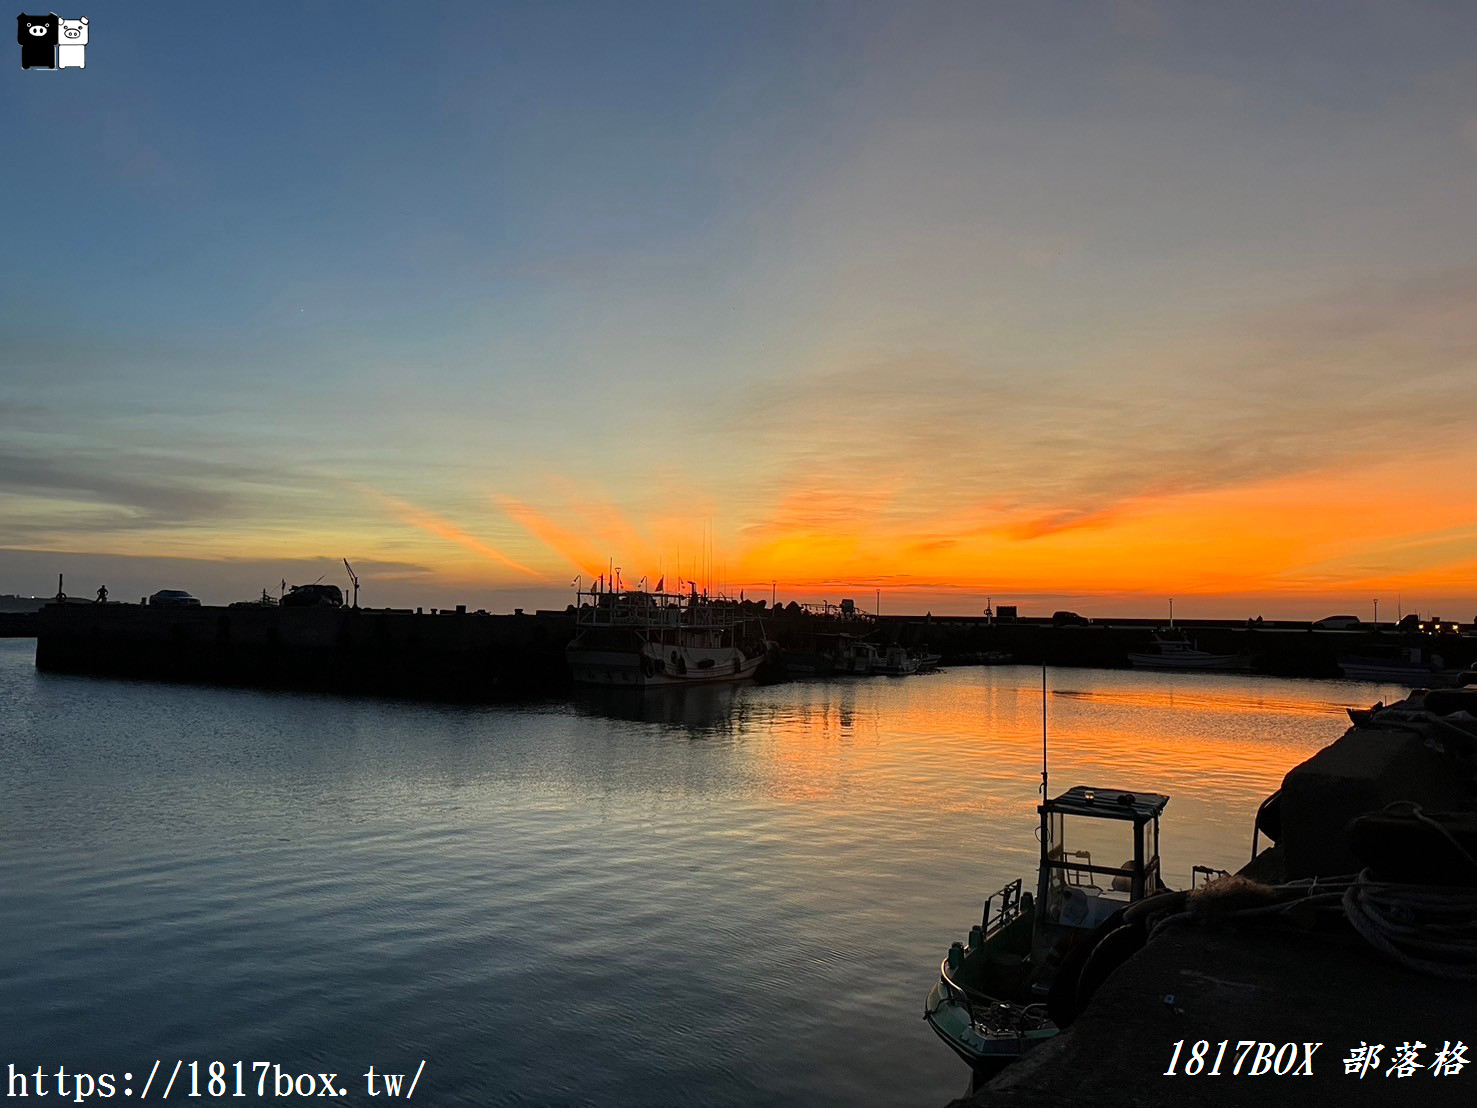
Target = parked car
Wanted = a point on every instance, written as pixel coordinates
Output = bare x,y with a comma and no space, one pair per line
1336,623
1069,619
173,598
314,596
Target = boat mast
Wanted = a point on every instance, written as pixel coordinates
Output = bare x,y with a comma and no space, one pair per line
1043,733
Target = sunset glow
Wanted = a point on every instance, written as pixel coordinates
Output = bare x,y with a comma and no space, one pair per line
958,304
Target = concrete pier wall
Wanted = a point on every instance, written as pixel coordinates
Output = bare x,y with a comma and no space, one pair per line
446,655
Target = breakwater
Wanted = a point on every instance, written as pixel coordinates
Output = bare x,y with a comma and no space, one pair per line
452,655
1288,648
461,655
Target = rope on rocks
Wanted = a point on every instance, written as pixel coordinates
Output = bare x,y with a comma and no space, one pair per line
1430,929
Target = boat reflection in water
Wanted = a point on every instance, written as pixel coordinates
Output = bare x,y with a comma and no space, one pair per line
709,707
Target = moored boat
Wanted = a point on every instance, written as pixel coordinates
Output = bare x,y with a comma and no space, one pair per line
638,639
895,661
1174,650
858,659
1406,665
990,1003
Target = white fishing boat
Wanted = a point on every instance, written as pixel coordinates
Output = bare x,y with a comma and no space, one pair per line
1173,650
639,639
994,997
895,661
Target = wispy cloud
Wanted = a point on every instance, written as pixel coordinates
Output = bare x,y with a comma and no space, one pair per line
569,545
444,529
1305,386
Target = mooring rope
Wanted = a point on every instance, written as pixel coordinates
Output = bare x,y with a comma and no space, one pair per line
1431,929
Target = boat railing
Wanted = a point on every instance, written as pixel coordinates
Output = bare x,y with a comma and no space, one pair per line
836,611
1009,910
1015,1016
652,609
1208,873
1002,908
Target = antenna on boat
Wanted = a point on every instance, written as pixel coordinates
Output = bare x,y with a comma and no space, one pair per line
1043,732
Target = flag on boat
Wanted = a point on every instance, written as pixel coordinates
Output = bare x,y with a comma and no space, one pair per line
661,581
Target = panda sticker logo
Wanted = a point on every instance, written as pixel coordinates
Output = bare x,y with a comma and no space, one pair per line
49,42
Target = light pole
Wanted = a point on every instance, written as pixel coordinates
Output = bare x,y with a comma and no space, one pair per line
1376,614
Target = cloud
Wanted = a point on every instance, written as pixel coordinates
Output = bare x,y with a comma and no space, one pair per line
913,442
572,547
444,529
133,490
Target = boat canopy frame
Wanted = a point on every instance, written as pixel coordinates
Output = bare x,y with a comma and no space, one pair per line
1142,810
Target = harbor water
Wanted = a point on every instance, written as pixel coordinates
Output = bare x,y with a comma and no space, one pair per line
721,896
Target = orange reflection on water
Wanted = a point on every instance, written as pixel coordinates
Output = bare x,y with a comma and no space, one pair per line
961,751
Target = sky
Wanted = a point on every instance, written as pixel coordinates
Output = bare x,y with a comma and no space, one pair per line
929,305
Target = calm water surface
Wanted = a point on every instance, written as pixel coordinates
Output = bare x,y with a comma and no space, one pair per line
732,898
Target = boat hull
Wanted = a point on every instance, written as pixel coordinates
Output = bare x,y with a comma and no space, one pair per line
1413,675
986,1053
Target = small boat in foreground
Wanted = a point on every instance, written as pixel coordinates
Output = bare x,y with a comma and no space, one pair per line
990,1002
1174,650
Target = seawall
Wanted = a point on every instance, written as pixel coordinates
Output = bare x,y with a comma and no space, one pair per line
449,655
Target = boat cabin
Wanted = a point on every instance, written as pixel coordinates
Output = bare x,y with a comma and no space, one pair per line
1099,852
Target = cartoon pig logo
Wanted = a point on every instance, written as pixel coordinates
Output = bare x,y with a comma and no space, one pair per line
71,50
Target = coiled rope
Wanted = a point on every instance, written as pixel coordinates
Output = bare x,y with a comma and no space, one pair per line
1431,929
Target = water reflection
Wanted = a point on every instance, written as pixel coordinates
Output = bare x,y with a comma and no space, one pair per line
405,880
699,708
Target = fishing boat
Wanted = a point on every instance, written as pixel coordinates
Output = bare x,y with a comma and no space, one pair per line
1174,650
990,1003
639,639
1400,665
858,659
895,661
819,654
